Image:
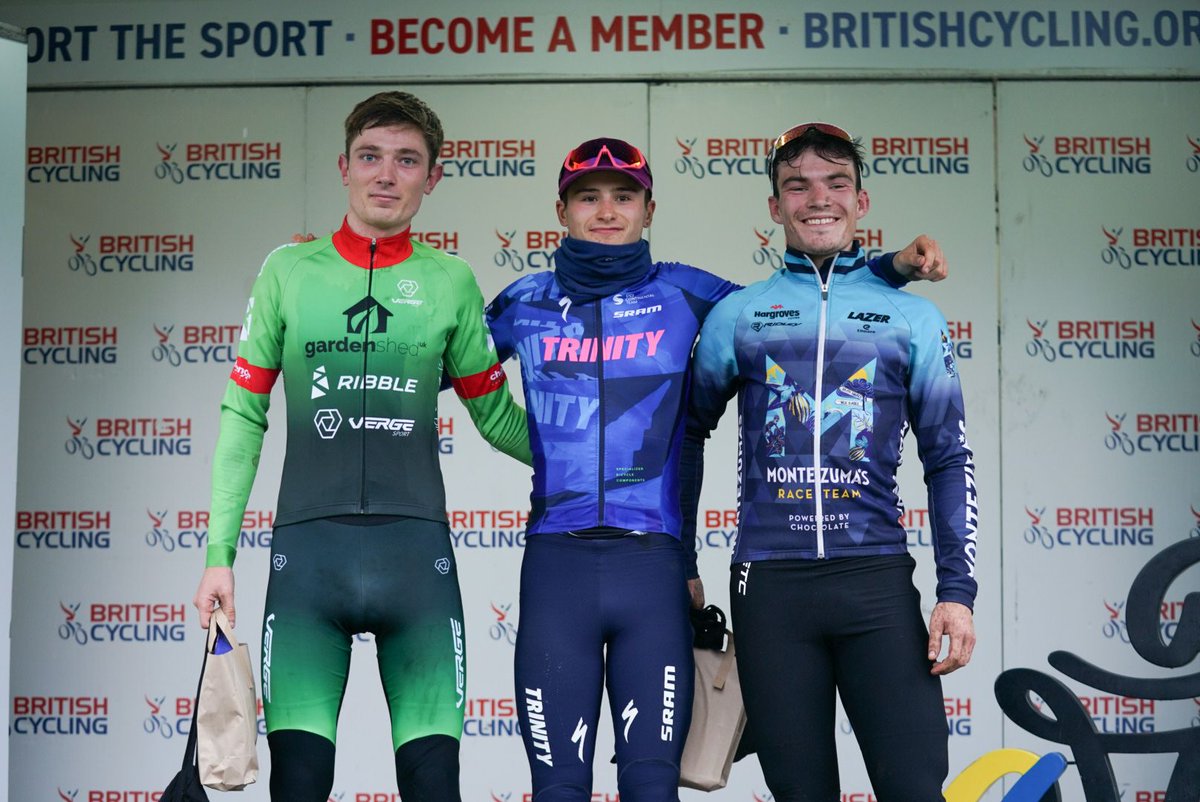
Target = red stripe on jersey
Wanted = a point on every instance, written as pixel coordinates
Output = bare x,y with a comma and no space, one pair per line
252,377
480,383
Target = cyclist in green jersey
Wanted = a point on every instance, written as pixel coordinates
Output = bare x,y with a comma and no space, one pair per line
362,323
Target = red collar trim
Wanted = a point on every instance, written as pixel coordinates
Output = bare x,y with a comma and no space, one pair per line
356,249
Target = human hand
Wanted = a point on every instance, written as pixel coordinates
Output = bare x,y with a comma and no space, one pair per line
956,622
696,591
216,590
303,237
921,259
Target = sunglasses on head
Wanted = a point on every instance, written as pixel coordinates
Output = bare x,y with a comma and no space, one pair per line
621,155
799,130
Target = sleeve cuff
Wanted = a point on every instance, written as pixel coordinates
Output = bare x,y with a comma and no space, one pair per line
885,268
220,556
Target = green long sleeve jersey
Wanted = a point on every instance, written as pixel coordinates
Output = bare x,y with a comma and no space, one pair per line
362,330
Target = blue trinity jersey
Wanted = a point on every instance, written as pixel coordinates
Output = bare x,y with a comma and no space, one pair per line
605,390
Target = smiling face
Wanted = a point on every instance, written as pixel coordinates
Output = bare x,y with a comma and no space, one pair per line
606,207
817,204
388,172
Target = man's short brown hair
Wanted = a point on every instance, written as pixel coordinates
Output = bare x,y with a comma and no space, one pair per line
396,108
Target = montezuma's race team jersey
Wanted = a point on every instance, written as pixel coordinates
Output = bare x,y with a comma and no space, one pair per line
362,330
830,375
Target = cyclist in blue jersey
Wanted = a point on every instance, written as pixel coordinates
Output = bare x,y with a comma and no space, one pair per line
832,366
604,344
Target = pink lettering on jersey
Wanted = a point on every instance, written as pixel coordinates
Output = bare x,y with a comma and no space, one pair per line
621,346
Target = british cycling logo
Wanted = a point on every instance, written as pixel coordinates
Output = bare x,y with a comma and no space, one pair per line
1086,155
223,161
1115,628
720,530
1154,433
958,714
188,530
73,164
64,529
1114,252
1091,339
69,345
159,535
1040,344
167,167
445,429
122,623
1151,247
327,421
1115,714
206,344
722,156
59,715
489,158
1095,527
1195,347
918,155
132,253
503,628
766,255
529,250
444,241
917,527
488,529
158,723
1193,159
492,717
1037,533
81,259
129,437
958,723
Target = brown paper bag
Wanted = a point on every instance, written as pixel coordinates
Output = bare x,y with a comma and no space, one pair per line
227,714
718,719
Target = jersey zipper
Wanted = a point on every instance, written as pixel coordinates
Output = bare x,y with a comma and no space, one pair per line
362,500
819,403
600,408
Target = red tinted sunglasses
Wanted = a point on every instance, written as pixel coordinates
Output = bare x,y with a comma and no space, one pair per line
620,155
799,130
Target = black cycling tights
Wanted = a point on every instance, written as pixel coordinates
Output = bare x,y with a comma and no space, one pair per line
302,768
809,628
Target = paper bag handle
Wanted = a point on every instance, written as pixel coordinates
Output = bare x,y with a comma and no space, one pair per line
727,663
220,621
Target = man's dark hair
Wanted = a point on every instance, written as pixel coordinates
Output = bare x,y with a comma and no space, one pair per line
827,146
396,108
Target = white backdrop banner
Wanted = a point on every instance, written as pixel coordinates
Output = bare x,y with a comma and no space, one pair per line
1100,266
172,43
150,211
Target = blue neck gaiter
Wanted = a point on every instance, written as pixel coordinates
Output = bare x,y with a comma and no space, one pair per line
590,270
